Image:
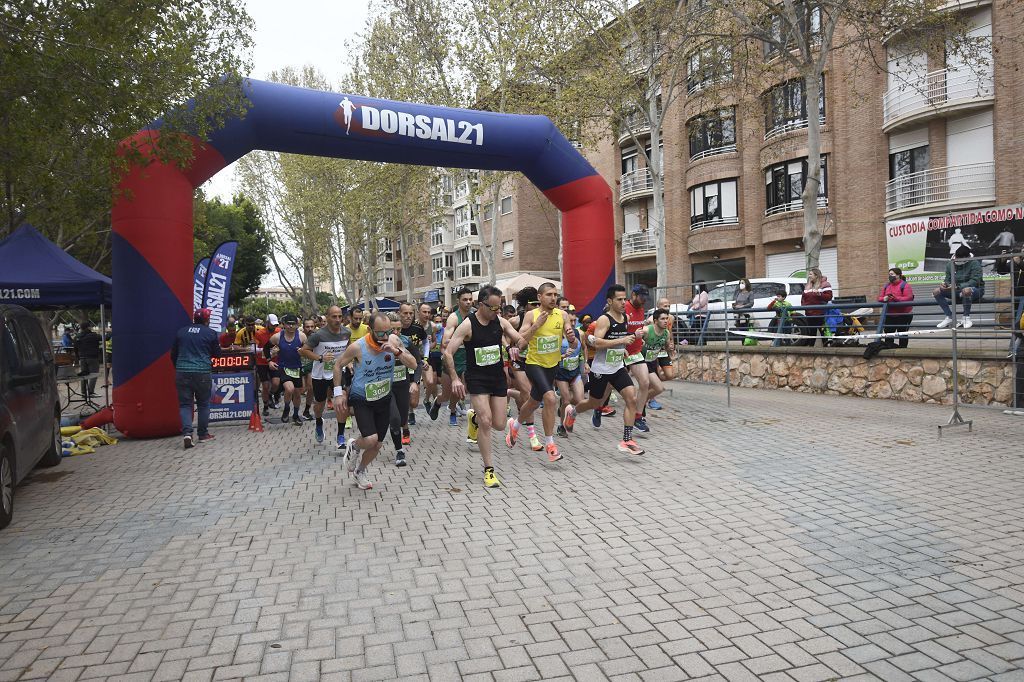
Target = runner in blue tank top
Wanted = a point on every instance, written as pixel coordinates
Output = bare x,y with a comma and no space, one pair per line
373,361
283,351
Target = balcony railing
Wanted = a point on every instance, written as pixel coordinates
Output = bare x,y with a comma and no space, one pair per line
714,151
634,125
789,127
934,91
711,222
951,184
637,243
636,183
797,205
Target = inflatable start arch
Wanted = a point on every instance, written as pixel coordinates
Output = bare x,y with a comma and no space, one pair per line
152,221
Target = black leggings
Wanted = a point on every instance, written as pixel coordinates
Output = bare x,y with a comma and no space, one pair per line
897,323
399,411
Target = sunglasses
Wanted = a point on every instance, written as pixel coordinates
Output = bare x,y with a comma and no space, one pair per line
533,303
494,308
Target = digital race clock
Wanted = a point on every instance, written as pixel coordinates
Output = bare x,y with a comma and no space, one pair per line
233,361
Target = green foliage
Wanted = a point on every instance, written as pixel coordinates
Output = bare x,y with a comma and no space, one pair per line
216,222
79,77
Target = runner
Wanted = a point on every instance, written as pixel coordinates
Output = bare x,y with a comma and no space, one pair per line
465,297
569,376
308,327
282,351
418,339
324,347
656,340
434,362
666,370
544,328
411,335
373,357
253,337
635,363
425,371
520,386
611,337
355,324
481,336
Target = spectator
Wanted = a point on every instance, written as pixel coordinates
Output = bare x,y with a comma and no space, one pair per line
897,317
66,341
1017,272
227,339
817,292
193,347
744,301
698,307
968,287
783,321
87,346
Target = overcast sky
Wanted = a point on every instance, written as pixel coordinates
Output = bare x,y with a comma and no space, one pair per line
295,33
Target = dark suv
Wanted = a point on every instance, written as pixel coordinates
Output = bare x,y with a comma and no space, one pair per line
29,404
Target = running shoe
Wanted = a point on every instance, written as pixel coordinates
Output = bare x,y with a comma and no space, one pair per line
363,480
560,431
266,409
453,420
341,441
286,413
189,443
207,438
570,418
406,438
511,433
306,416
400,458
553,454
630,447
535,443
471,428
460,408
350,459
607,411
654,404
296,420
491,479
319,433
641,426
412,418
595,419
435,408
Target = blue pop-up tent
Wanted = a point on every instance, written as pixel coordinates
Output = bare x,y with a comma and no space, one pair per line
38,274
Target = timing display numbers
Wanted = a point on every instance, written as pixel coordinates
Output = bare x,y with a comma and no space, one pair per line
233,362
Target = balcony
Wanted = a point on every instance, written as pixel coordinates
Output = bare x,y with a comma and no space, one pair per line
639,244
712,222
634,126
714,151
935,94
797,205
788,127
635,184
972,183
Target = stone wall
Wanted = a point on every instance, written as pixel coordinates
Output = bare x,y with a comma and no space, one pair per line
929,380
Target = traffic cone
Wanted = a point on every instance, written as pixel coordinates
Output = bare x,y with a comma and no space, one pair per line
255,422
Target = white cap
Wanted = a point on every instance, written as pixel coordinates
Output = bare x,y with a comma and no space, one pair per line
272,318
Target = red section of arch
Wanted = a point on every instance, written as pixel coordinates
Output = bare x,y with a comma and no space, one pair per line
588,252
146,405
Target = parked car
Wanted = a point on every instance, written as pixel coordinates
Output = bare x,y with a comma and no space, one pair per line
763,288
29,403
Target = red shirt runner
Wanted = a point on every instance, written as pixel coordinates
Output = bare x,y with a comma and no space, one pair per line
635,319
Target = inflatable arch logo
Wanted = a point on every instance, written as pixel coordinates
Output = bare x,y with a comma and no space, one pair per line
152,221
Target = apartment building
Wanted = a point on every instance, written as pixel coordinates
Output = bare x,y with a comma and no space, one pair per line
930,144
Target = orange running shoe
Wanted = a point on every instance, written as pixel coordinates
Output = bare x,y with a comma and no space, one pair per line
570,418
511,433
553,454
630,447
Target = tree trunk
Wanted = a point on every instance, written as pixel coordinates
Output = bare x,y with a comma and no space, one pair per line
812,231
657,212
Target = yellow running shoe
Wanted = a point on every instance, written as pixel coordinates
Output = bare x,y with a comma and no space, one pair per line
471,427
491,479
535,443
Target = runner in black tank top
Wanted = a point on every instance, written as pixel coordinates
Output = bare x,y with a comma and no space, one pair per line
485,371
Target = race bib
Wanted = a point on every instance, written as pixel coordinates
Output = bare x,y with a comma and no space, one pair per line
549,344
401,372
651,355
293,373
613,356
634,358
570,364
487,355
663,353
328,365
375,390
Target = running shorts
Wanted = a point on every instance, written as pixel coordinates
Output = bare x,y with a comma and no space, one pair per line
283,376
664,361
562,374
263,372
619,381
495,386
652,366
434,359
371,417
542,380
322,389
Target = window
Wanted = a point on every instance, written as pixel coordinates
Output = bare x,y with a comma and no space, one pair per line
464,227
908,161
419,270
712,133
506,205
467,263
809,29
785,107
784,183
707,66
629,162
440,268
437,234
507,249
713,203
488,211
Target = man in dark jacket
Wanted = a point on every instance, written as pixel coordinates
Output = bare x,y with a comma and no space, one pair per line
193,347
87,345
968,287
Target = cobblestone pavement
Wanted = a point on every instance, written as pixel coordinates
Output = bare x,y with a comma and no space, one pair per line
792,537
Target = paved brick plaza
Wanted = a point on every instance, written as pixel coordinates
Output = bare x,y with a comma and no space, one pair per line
791,537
